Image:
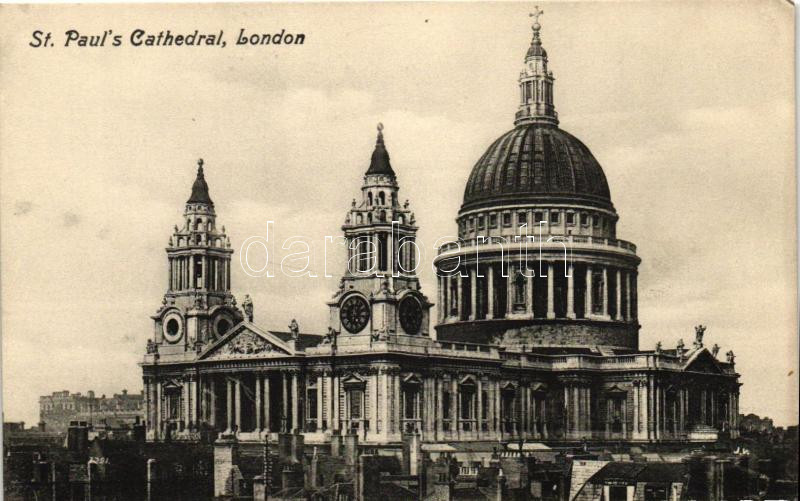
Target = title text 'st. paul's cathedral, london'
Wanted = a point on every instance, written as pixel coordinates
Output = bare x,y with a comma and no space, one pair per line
536,338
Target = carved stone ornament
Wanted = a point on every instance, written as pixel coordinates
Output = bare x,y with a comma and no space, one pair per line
247,343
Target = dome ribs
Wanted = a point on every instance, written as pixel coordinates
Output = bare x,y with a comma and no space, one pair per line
524,161
495,184
511,172
536,161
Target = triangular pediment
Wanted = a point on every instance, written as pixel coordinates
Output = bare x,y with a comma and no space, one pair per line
245,340
702,361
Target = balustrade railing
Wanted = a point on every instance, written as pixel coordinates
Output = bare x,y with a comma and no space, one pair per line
534,239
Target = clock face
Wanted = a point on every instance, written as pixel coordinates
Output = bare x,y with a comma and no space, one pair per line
354,314
410,315
173,328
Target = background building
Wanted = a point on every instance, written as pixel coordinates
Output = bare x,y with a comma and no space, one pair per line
61,407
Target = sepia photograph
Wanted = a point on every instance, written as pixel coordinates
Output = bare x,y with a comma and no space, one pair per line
424,251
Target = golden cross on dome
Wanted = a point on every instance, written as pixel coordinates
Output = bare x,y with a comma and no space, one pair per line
380,127
535,15
200,162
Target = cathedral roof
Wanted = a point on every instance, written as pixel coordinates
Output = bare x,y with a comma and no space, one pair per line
536,162
200,188
380,157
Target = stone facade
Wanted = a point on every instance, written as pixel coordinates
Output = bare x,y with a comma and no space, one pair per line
536,338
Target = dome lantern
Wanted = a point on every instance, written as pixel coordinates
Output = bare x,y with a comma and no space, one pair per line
536,83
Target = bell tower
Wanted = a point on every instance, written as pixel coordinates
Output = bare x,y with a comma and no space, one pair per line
198,306
379,294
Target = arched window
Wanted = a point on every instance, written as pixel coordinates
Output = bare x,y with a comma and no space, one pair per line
519,288
381,198
197,224
359,218
369,218
369,199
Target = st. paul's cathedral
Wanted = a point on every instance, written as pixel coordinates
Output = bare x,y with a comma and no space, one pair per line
528,345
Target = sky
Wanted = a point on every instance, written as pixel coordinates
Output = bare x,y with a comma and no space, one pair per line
689,108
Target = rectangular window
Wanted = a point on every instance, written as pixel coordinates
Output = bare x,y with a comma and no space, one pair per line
480,222
311,404
522,218
571,218
595,221
356,404
538,217
584,219
554,217
506,219
493,220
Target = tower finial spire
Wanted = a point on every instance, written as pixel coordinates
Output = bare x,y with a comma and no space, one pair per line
535,15
380,132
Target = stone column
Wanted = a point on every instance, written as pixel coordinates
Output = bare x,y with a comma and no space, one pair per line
618,315
184,414
551,312
238,405
442,302
576,410
635,410
490,291
319,404
497,414
510,290
258,403
473,294
397,408
190,271
448,282
544,417
479,411
659,422
644,403
454,405
285,404
229,407
529,296
609,409
267,417
571,292
625,416
336,421
628,296
438,383
460,294
588,295
587,402
295,403
387,403
605,292
158,395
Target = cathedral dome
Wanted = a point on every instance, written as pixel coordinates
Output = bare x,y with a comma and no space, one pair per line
536,162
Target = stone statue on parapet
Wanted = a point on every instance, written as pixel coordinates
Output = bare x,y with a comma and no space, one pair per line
247,306
294,328
658,348
730,356
715,350
699,331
